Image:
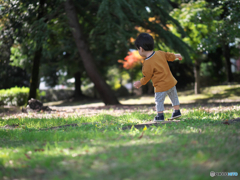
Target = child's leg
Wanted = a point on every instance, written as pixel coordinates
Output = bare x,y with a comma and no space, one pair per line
172,93
159,100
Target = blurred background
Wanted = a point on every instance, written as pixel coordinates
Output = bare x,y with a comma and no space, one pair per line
84,49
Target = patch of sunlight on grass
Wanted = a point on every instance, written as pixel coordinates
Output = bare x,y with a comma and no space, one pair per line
77,104
151,100
139,100
188,99
190,129
211,94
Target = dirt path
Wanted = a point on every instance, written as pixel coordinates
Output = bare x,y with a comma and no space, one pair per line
93,109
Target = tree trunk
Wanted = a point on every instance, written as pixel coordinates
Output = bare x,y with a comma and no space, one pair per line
197,76
78,83
226,52
5,60
34,82
104,90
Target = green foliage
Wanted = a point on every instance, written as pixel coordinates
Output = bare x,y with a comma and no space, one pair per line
117,21
19,58
15,96
228,29
198,21
107,28
31,31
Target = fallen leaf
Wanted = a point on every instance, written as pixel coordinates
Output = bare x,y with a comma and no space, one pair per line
141,135
38,150
75,155
227,123
27,156
193,142
39,171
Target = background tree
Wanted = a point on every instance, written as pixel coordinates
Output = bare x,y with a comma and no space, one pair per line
115,25
106,27
227,29
28,22
9,75
105,92
197,18
61,60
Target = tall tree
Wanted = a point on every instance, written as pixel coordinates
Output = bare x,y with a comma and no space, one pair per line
102,29
105,91
34,82
228,29
115,23
62,61
28,24
6,42
197,18
46,11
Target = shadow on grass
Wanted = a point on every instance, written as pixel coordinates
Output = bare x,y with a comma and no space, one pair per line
178,156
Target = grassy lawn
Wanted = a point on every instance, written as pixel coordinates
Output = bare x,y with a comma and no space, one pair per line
98,148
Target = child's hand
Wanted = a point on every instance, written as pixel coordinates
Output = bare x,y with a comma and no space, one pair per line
179,56
137,84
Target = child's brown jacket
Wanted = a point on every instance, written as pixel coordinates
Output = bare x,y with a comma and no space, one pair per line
157,69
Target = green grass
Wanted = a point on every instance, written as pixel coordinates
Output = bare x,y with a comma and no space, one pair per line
100,149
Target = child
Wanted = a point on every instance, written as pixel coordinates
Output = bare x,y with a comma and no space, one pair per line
155,67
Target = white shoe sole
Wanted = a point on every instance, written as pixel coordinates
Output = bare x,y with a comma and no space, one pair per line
158,120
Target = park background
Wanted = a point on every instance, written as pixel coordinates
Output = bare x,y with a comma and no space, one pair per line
41,50
78,58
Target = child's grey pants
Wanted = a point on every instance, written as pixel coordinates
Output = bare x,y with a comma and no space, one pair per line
160,97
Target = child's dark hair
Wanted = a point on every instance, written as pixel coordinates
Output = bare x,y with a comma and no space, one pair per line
145,41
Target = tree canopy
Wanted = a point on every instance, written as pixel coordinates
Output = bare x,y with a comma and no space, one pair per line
43,37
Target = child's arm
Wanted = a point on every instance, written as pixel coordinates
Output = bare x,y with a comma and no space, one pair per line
178,56
171,56
147,71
